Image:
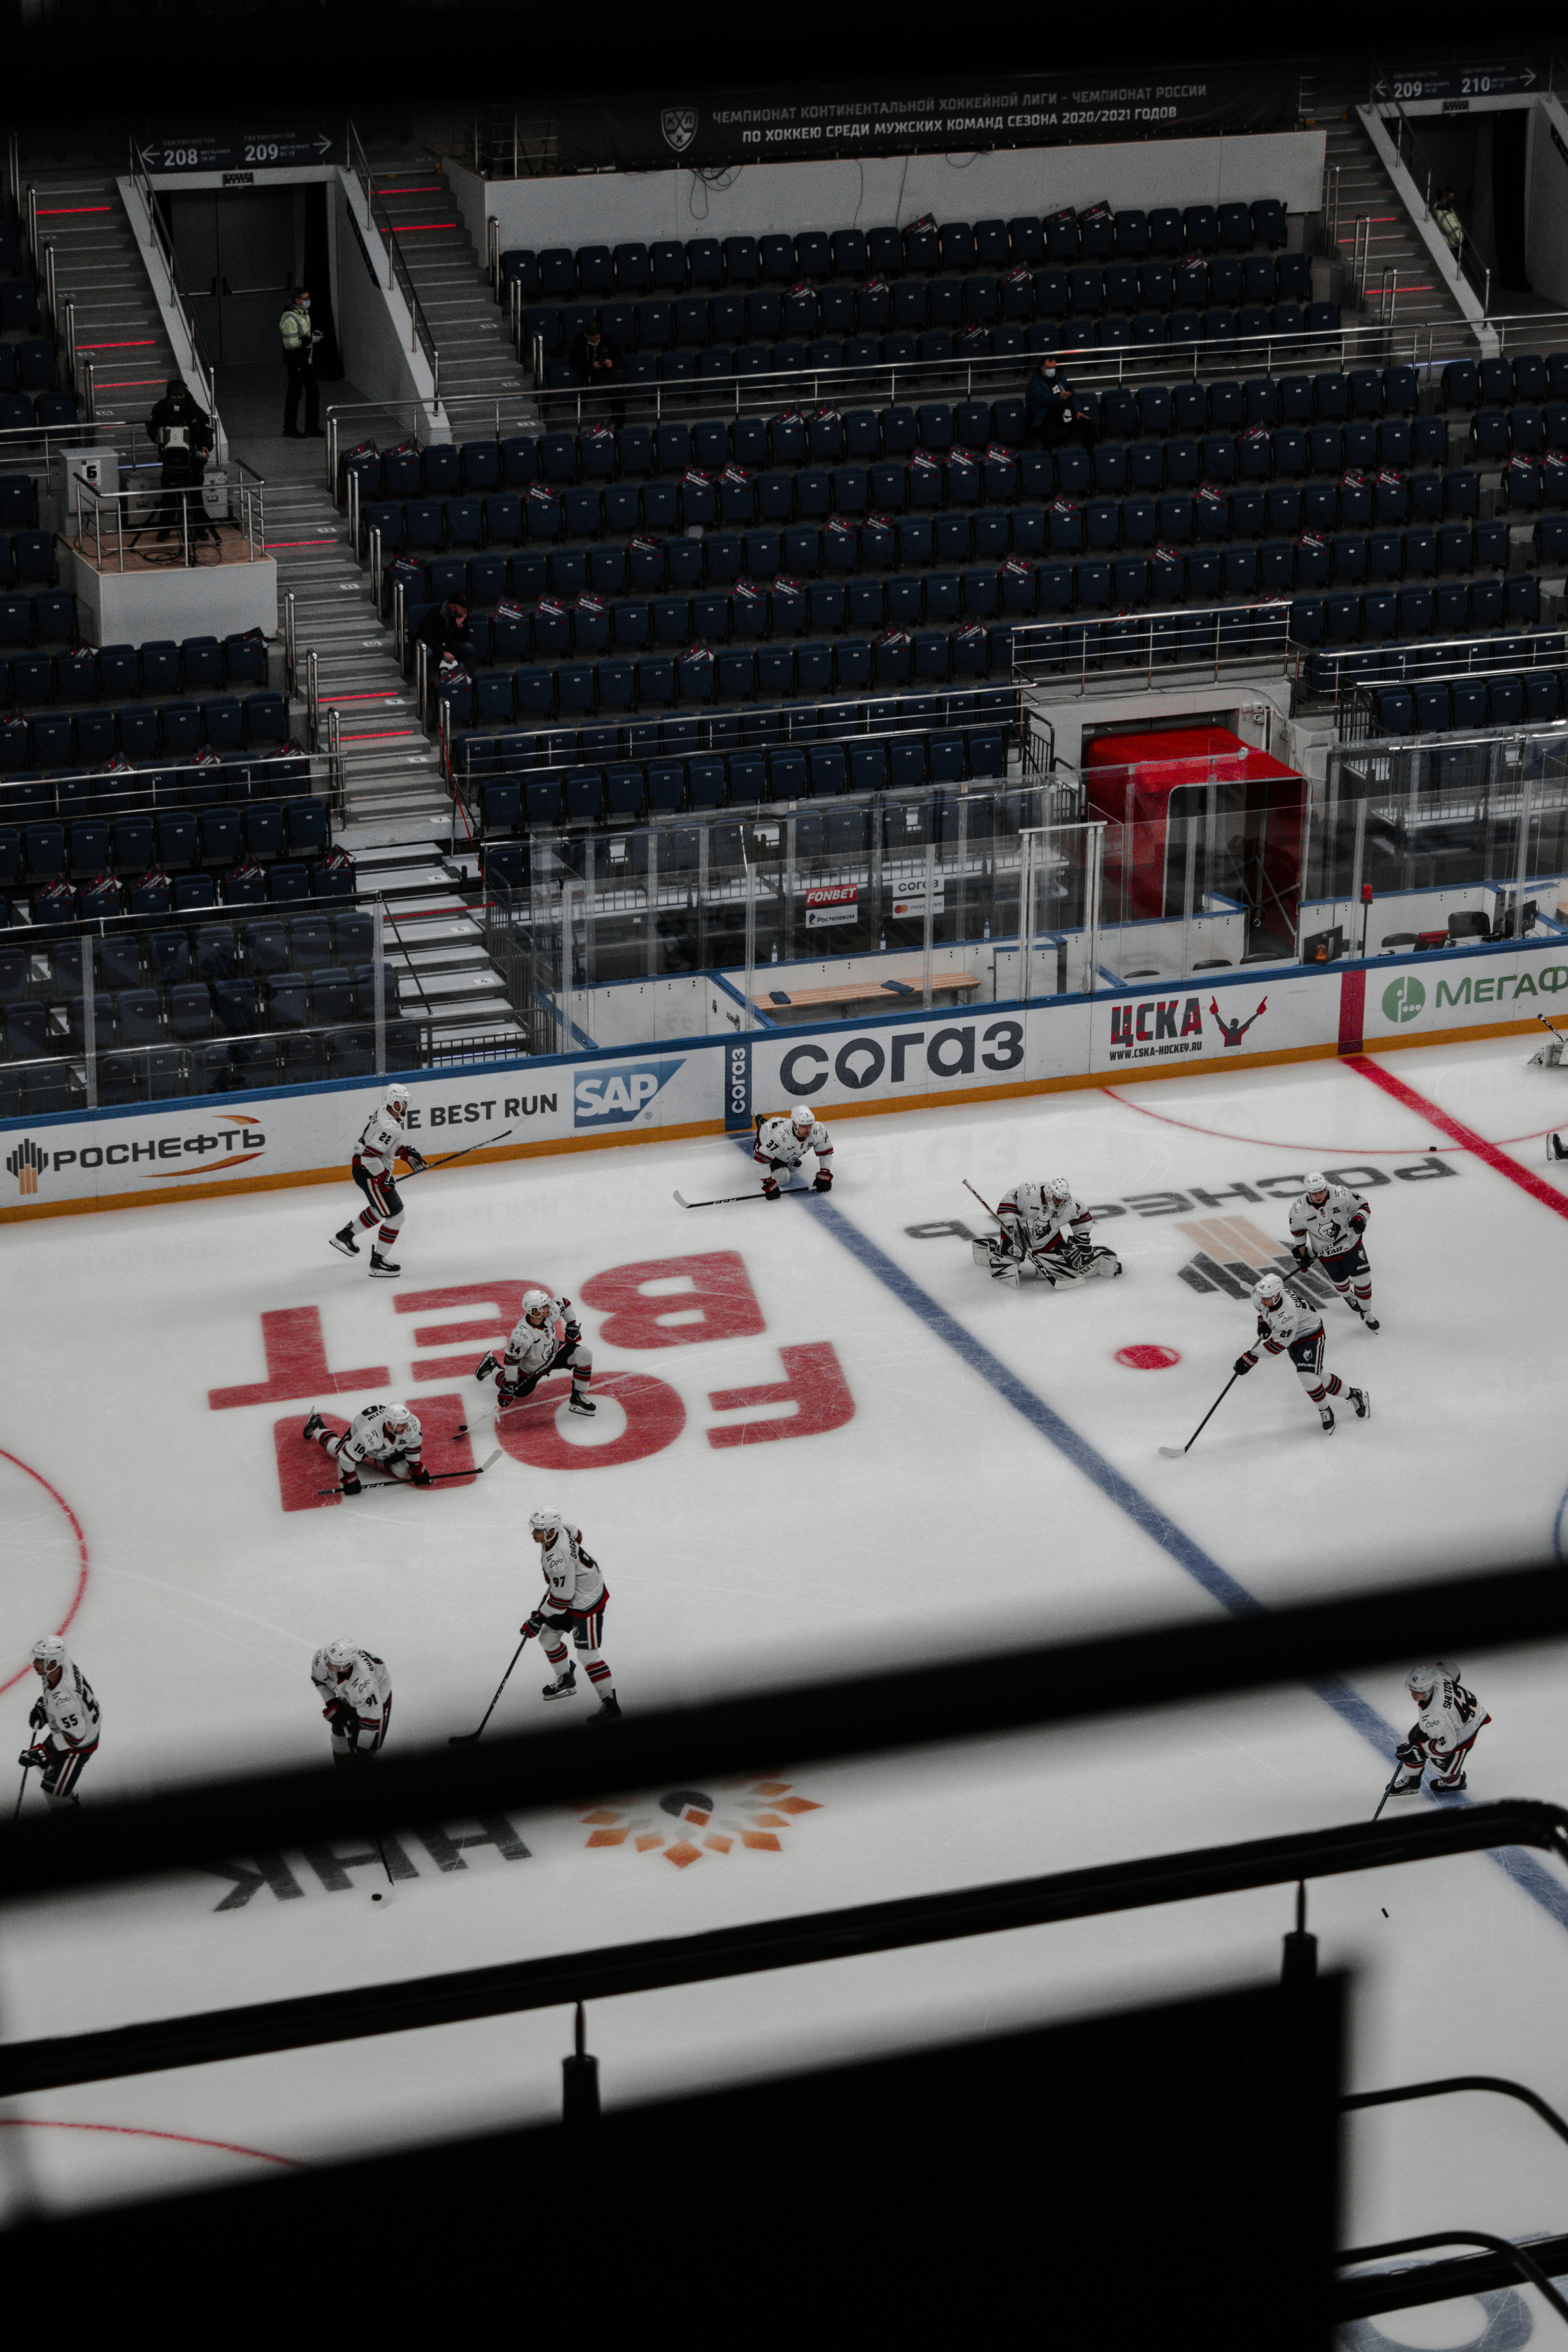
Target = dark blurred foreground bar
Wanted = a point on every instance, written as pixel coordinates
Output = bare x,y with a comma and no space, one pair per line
1051,1684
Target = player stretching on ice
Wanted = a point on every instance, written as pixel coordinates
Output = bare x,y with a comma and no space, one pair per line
575,1601
357,1692
784,1143
533,1350
1045,1233
385,1433
1448,1720
66,1715
1287,1326
1327,1223
374,1170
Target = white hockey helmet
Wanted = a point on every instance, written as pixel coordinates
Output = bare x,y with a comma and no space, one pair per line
399,1416
339,1657
546,1525
1422,1681
1317,1182
394,1103
532,1300
803,1118
50,1658
1268,1292
1057,1189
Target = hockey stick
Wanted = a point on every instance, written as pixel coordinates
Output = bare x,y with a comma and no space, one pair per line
1175,1452
984,1204
724,1199
384,1485
483,1144
464,1739
21,1791
1387,1793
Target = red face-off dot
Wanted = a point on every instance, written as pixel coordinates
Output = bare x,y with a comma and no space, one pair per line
1147,1358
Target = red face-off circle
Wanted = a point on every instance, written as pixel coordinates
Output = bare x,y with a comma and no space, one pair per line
1147,1358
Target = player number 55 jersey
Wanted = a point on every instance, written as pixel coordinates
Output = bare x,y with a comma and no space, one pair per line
71,1710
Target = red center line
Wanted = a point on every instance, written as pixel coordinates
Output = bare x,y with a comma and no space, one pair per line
1494,1158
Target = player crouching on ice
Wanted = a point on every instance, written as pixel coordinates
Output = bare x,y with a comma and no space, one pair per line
1044,1235
374,1170
66,1717
1448,1720
387,1435
357,1692
782,1143
1287,1326
533,1350
1327,1223
575,1601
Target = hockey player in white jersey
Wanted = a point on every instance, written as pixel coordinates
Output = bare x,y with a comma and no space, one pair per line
374,1170
575,1601
386,1434
1286,1326
534,1349
1449,1719
1044,1236
782,1143
64,1719
1327,1223
356,1694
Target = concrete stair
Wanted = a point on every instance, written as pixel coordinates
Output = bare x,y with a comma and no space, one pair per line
1392,242
118,328
477,364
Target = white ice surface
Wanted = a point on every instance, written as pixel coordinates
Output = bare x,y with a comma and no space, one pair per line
937,1522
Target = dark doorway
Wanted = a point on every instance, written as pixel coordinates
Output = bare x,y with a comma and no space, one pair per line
237,252
1510,132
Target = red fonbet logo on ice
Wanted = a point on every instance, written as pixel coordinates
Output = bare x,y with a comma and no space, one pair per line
1158,1026
744,1815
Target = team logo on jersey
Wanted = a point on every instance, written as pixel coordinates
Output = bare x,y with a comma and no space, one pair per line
1402,998
679,124
739,1815
26,1163
612,1101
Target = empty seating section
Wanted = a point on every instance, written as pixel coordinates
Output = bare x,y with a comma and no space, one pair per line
213,1003
744,306
30,392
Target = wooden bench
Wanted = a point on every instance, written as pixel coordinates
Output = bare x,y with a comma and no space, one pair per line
854,996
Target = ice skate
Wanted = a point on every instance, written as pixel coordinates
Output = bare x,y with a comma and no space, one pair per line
484,1368
1448,1788
608,1707
315,1426
382,1269
1406,1784
1326,1415
583,1404
563,1685
1361,1401
1555,1148
343,1239
1370,1319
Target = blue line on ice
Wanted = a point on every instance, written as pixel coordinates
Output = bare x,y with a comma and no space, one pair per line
1524,1870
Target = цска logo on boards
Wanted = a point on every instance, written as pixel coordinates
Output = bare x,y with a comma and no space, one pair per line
614,1097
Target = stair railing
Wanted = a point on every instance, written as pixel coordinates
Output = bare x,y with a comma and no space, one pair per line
397,272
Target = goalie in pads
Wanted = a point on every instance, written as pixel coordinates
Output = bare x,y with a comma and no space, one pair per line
1044,1238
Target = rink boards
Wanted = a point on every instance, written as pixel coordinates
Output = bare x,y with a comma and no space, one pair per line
197,1147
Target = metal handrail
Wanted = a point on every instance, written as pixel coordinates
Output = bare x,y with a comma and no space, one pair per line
108,782
1499,2083
1469,262
206,389
1529,2269
397,268
135,512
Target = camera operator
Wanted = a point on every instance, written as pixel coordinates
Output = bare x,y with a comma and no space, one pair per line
300,341
181,433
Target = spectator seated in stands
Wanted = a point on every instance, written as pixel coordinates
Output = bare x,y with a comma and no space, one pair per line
445,629
599,362
1050,415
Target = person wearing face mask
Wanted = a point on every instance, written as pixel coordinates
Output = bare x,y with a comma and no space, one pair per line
300,341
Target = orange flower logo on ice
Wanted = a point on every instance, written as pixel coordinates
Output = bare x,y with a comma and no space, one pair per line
748,1811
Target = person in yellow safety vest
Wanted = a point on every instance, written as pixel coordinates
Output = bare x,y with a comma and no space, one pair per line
300,341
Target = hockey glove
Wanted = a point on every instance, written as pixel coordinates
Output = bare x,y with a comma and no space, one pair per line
1358,1226
1302,1255
351,1485
533,1624
1409,1755
822,1181
38,1719
574,1333
1243,1363
420,1477
417,1159
39,1756
770,1189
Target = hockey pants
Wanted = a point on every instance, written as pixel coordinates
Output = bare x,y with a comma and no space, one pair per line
577,1360
1447,1763
587,1630
60,1776
1307,1355
1350,1274
365,1741
385,1203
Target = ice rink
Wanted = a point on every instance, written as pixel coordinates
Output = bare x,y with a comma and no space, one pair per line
824,1437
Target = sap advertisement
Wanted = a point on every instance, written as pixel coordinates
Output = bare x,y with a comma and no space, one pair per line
201,1147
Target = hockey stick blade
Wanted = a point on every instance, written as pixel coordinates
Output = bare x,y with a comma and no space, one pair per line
1172,1453
722,1200
438,1479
